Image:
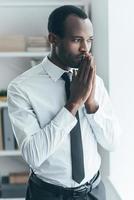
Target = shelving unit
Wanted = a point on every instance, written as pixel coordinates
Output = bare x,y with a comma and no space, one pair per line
22,54
13,6
10,153
28,18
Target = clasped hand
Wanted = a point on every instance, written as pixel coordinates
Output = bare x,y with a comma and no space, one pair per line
82,89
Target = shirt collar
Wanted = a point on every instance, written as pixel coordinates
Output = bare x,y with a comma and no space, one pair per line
52,70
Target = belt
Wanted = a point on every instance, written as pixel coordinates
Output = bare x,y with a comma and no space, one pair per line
59,190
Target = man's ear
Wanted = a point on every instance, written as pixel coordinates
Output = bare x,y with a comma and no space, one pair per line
53,39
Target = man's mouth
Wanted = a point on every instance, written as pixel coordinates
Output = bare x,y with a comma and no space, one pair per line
81,57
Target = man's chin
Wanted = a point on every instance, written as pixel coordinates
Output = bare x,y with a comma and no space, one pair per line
75,65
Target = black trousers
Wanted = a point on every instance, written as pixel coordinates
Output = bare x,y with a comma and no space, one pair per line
37,192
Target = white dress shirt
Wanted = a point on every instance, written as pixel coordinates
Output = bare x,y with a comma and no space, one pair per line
42,124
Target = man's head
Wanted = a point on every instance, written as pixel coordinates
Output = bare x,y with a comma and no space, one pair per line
56,21
70,35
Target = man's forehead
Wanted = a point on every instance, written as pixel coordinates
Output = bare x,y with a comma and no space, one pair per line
75,24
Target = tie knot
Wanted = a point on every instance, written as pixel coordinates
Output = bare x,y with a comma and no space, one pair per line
66,77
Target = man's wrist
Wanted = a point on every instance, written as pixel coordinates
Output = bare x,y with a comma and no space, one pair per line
72,107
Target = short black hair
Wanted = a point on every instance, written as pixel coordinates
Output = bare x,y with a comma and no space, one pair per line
58,16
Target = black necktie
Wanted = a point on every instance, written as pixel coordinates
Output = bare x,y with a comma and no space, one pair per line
76,141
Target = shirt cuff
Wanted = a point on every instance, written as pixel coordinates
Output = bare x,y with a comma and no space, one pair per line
94,117
65,120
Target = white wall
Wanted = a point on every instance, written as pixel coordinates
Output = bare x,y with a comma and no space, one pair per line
99,18
121,73
113,50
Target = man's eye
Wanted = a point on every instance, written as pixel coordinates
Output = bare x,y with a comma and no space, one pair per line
77,40
89,40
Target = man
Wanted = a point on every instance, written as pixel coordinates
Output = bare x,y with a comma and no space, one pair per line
58,126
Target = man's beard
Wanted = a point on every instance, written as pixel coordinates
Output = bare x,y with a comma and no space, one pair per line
76,62
72,61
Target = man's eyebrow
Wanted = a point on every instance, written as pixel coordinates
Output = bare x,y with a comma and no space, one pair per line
77,36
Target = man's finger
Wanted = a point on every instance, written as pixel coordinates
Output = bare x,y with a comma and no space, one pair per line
82,64
90,78
87,70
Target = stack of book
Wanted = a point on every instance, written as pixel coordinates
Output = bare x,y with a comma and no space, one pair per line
18,178
37,44
12,43
14,185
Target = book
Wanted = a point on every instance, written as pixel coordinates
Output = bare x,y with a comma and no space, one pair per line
4,179
7,132
1,135
1,140
3,95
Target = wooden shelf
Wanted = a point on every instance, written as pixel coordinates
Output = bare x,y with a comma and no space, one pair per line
10,153
22,54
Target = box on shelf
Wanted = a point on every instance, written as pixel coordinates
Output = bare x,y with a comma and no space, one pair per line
13,43
3,98
18,178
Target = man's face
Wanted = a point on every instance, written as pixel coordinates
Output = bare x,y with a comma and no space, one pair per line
76,42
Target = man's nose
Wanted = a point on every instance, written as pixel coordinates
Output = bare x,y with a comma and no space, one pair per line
84,47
